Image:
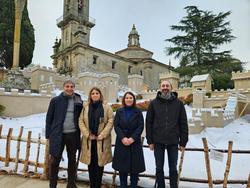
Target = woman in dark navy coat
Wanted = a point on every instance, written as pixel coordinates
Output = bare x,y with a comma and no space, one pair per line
128,154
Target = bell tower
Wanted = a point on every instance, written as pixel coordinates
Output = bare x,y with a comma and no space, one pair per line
75,25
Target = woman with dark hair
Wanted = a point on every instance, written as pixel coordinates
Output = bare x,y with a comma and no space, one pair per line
128,154
96,123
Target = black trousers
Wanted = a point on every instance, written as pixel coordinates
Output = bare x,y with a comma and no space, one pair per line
124,180
70,140
159,153
95,171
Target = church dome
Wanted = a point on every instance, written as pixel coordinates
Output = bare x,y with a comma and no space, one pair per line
133,31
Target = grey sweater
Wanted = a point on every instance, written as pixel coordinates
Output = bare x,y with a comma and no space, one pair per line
68,125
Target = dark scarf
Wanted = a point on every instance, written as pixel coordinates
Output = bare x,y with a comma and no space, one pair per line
95,115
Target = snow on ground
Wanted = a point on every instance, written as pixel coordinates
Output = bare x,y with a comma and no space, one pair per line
193,167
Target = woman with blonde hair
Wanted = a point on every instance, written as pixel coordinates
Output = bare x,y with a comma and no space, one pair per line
96,123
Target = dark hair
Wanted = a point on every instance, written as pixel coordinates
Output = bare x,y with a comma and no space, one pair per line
123,98
99,91
68,82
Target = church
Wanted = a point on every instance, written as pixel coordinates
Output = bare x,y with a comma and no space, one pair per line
73,54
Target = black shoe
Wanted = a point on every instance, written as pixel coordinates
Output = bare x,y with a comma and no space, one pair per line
71,185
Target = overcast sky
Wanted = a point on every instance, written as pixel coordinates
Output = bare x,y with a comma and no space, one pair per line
153,18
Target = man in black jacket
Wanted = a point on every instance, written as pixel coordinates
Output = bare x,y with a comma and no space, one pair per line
166,128
62,129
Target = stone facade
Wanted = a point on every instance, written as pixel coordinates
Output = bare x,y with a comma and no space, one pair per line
73,55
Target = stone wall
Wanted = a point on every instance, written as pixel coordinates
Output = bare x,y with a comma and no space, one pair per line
135,83
183,92
24,104
149,95
207,117
241,80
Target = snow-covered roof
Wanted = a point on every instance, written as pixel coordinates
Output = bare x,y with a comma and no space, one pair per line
200,78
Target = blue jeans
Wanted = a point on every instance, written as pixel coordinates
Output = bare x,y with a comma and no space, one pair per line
124,177
159,153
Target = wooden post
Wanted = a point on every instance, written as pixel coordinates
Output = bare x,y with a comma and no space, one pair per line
207,161
180,166
1,128
26,161
18,148
248,183
142,140
38,151
243,109
114,176
45,175
228,164
7,156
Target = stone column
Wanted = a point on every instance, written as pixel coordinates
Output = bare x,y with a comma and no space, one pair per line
171,76
198,98
135,83
19,6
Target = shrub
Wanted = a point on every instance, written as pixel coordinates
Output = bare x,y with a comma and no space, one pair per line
115,107
143,106
139,97
189,99
182,99
208,94
2,108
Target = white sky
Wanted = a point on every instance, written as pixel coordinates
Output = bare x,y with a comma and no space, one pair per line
153,18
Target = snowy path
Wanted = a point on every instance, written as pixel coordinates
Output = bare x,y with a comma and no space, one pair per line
193,166
20,182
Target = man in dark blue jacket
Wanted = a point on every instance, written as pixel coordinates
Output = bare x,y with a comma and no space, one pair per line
62,129
166,128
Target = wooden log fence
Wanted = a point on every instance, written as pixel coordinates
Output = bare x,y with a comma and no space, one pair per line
18,148
207,161
228,164
248,183
45,164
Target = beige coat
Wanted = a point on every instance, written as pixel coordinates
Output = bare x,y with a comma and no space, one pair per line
103,146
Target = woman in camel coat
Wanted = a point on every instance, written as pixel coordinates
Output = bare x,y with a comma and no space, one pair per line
96,123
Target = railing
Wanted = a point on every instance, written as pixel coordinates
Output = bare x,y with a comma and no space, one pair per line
44,165
80,17
26,161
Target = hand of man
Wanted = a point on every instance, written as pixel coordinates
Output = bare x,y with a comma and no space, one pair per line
182,148
92,137
151,147
125,141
